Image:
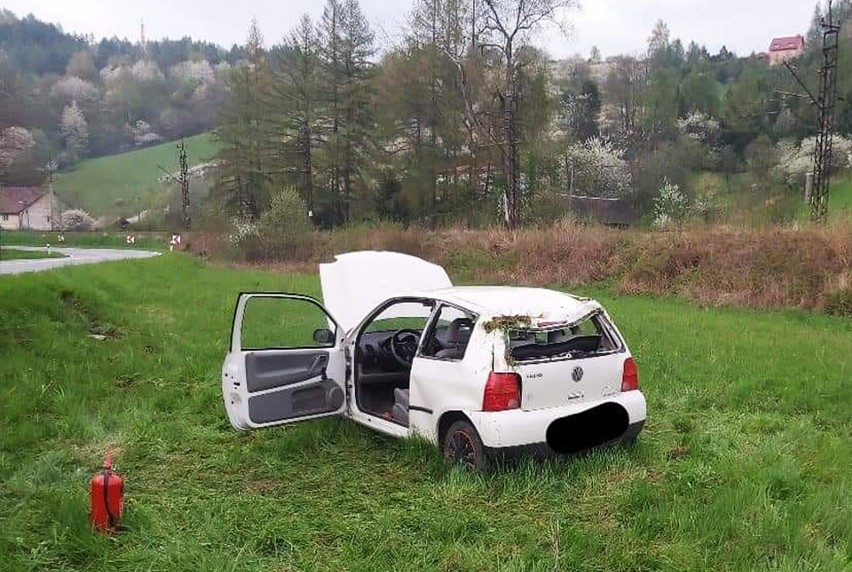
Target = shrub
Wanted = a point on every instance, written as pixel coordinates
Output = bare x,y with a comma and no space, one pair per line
284,227
599,169
671,205
839,303
76,219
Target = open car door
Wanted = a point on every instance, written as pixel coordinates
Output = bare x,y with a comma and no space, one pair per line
286,362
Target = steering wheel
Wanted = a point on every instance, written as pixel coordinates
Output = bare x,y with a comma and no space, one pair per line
403,345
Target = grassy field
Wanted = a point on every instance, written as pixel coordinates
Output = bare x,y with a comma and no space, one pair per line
840,198
14,254
130,178
91,239
744,464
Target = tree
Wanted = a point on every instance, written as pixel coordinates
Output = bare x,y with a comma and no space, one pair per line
297,106
580,111
75,132
595,55
346,50
624,85
82,65
501,30
245,160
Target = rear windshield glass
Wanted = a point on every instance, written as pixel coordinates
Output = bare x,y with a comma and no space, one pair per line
590,337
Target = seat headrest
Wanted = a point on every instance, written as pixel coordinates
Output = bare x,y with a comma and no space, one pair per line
459,331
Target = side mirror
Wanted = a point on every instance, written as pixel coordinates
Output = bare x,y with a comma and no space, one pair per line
324,336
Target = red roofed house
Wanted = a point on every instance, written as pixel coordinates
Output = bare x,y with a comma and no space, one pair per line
783,49
26,208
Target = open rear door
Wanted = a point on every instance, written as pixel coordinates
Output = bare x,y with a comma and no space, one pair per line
286,362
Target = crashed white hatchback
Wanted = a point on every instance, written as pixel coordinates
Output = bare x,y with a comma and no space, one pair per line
476,370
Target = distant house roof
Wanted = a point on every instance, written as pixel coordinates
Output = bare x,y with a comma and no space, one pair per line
611,212
786,44
14,200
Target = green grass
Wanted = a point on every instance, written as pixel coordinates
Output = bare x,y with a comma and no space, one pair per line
123,184
91,239
840,198
14,254
744,464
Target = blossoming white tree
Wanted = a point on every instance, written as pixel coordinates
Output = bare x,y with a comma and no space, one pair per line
671,205
74,130
70,89
597,168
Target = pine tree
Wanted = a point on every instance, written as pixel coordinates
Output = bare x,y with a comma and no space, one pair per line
295,99
246,165
346,49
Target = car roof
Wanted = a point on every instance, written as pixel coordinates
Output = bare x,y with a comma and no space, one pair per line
541,303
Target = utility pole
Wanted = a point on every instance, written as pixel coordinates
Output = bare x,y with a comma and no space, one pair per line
183,181
184,185
51,169
826,102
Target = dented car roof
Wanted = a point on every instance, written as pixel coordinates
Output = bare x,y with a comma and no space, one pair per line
545,307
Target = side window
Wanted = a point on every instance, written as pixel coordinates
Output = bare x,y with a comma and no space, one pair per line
285,323
450,334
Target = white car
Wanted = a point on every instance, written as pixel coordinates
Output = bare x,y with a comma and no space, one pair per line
396,347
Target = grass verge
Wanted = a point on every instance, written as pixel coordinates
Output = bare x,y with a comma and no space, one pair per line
90,239
15,254
744,464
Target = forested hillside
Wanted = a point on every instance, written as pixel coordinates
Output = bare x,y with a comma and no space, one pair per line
65,97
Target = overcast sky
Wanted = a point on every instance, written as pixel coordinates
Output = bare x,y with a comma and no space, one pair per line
615,26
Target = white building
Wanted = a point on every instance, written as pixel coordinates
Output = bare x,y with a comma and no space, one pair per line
27,208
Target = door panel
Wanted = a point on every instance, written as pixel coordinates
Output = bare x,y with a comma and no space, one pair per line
294,402
268,370
269,382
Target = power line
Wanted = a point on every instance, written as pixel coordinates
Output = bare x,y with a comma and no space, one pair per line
826,102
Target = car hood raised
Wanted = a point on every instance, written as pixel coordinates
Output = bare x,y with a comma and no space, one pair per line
357,282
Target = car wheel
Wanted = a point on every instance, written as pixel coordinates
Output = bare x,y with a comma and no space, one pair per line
462,446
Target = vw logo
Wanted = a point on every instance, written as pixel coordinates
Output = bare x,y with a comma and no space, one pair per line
577,374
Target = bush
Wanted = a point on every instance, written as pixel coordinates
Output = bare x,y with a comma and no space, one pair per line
284,228
839,303
671,205
76,219
599,169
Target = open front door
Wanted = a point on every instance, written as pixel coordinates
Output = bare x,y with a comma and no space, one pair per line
286,362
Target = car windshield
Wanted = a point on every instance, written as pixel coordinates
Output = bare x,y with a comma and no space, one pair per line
589,337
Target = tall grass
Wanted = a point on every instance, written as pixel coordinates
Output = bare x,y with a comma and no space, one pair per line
801,267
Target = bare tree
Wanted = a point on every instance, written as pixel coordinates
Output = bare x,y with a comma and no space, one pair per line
500,30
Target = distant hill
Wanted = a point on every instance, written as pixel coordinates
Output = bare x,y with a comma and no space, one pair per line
122,184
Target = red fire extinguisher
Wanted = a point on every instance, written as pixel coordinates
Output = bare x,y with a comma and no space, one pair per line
107,498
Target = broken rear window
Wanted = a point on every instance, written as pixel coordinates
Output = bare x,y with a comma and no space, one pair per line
589,337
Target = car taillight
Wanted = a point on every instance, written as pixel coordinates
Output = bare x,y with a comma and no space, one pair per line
630,376
502,392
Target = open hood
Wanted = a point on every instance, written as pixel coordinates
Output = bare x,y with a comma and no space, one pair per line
357,282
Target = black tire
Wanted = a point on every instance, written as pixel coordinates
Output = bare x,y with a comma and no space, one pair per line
462,446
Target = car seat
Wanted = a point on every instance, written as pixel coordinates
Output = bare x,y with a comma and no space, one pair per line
458,335
399,412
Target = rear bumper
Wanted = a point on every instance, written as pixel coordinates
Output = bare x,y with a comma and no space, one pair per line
543,450
518,428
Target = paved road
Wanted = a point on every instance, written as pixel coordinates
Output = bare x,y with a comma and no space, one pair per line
72,256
